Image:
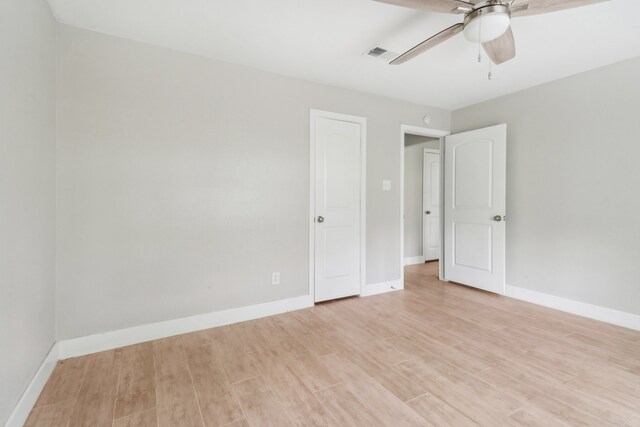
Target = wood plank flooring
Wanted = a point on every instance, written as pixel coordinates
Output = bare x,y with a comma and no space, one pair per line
435,354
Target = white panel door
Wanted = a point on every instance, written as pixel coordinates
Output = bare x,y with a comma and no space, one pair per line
337,208
431,205
474,198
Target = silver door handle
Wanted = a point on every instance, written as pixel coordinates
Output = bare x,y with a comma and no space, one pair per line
497,218
427,212
320,219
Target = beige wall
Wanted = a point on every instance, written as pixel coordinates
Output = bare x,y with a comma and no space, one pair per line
184,182
573,184
27,194
413,212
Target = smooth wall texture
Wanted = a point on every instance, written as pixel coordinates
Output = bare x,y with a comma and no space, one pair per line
183,182
414,146
572,200
27,194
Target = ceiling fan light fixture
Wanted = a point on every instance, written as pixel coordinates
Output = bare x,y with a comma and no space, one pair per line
486,24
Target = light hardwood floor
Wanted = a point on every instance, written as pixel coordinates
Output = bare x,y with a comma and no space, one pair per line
434,354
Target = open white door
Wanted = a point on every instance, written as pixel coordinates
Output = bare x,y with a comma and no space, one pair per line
338,209
474,211
431,205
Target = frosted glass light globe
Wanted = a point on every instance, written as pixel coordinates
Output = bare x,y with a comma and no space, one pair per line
493,26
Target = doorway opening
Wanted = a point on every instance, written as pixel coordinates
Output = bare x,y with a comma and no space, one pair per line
420,191
421,199
472,173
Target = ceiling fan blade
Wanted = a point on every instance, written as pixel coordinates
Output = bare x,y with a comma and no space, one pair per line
536,7
443,6
501,49
428,44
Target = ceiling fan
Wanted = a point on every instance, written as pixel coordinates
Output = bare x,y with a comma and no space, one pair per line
485,21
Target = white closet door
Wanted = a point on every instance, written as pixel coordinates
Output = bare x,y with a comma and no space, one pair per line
431,205
337,208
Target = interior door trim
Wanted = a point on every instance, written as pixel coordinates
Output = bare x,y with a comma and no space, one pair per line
362,121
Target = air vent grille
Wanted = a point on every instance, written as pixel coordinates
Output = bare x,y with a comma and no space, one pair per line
376,52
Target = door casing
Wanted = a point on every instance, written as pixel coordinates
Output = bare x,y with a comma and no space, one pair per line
362,121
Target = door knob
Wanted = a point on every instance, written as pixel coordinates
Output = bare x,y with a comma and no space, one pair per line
427,212
497,218
320,219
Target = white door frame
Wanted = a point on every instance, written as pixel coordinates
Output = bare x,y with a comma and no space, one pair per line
424,218
432,133
313,115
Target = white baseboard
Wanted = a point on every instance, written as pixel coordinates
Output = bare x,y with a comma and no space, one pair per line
412,260
137,334
31,394
382,287
596,312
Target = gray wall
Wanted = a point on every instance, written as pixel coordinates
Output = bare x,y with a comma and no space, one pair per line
572,200
27,194
184,182
413,215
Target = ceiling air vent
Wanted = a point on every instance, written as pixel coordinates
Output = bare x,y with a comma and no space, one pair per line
381,54
376,52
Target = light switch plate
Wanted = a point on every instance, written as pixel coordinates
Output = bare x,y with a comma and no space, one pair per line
386,185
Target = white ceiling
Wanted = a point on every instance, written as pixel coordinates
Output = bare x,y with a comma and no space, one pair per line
324,41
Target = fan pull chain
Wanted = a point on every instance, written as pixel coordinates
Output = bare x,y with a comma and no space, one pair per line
479,36
490,74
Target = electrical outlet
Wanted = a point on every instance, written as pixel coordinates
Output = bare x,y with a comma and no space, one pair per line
275,278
